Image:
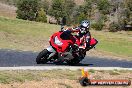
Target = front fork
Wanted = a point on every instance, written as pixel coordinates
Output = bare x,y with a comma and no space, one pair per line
53,52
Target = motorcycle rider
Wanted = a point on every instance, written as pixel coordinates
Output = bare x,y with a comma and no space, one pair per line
84,35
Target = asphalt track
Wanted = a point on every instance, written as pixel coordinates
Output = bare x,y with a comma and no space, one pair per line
12,58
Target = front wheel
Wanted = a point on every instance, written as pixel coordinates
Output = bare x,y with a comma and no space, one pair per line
42,57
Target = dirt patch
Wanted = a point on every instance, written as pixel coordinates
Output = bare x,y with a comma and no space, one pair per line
46,83
79,2
7,11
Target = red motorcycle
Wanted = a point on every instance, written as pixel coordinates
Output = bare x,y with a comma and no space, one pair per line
64,47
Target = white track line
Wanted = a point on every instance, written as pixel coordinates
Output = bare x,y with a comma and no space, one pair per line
61,67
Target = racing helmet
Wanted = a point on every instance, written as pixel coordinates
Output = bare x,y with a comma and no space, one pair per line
84,26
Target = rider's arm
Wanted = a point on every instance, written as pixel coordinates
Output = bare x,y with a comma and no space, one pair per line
72,30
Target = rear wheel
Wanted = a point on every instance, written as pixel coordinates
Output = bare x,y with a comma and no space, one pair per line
42,57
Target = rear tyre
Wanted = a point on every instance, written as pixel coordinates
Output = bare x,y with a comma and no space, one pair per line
42,57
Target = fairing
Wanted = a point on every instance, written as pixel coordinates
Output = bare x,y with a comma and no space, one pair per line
59,44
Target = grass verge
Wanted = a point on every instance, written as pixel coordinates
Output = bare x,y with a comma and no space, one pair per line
119,43
24,35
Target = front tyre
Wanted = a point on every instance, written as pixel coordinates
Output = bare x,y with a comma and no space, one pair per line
42,57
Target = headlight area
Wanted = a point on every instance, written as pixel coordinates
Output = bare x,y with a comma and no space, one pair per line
57,41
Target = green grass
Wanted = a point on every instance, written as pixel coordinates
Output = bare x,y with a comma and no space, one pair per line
91,71
114,73
20,34
115,43
23,28
33,36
